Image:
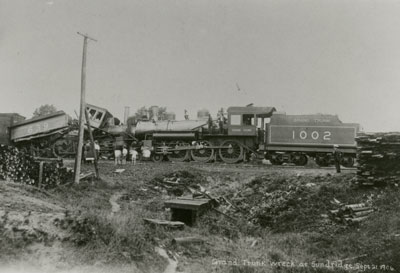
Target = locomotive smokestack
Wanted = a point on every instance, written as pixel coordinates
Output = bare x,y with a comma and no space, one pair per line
126,115
154,112
203,114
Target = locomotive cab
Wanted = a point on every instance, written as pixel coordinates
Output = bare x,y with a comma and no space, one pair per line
98,116
248,121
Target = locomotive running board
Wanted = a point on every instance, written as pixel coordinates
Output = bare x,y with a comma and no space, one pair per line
169,150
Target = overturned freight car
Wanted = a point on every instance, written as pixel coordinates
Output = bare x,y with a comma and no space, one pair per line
56,134
37,135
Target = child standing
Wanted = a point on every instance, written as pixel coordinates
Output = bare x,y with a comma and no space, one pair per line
117,155
124,154
134,155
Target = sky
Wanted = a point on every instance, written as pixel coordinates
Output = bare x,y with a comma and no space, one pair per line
302,57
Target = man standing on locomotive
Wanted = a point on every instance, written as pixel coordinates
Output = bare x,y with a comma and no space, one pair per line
337,156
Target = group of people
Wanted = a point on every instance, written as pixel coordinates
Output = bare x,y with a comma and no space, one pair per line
121,154
88,155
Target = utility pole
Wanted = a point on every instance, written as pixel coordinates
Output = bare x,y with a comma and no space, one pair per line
78,159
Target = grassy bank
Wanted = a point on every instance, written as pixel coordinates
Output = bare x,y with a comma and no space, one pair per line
280,224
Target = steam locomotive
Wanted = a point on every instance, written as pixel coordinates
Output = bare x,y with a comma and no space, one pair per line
251,131
237,135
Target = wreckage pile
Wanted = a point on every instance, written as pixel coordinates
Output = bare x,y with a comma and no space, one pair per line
351,214
179,183
18,166
277,203
378,158
281,203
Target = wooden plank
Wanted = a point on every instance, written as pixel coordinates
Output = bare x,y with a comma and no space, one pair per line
165,223
40,174
85,175
187,240
193,204
47,159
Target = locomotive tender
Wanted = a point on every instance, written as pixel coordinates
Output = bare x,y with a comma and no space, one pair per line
291,138
245,132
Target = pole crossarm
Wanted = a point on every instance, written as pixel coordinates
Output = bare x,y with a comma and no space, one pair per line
87,36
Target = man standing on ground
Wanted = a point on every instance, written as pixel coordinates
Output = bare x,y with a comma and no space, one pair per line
337,156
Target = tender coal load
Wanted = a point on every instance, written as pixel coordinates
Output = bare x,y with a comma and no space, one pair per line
378,158
18,166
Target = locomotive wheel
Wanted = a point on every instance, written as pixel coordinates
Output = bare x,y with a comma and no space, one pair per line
276,160
65,148
157,157
62,149
178,156
202,154
301,160
321,161
232,154
347,161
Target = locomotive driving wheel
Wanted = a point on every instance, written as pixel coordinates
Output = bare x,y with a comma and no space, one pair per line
232,153
178,155
201,153
157,157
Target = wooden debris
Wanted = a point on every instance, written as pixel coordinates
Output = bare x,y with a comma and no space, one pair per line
378,157
119,170
164,223
187,240
254,243
351,214
87,175
224,214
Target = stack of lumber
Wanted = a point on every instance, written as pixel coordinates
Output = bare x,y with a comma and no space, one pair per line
378,159
351,214
15,166
18,166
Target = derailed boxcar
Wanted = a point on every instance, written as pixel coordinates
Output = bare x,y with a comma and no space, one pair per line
37,135
291,138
